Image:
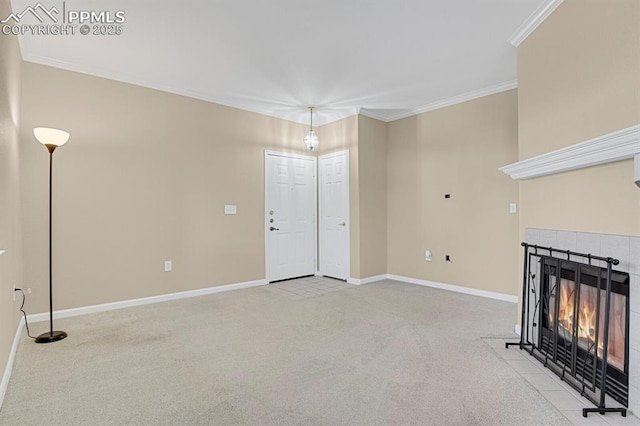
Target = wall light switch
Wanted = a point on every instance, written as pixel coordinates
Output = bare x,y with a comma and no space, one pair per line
168,266
427,255
230,209
512,208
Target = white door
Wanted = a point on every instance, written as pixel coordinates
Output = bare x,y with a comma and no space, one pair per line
334,215
290,215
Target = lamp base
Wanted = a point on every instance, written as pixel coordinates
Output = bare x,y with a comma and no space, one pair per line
50,337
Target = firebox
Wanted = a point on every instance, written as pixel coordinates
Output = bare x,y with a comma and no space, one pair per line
572,321
575,320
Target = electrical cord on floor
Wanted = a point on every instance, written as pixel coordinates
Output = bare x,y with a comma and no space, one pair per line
24,298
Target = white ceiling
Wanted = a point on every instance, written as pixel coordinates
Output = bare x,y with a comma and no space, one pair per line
383,58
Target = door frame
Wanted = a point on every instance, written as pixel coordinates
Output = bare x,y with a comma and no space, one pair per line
268,153
348,227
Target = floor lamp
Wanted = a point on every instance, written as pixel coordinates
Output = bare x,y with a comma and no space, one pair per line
51,138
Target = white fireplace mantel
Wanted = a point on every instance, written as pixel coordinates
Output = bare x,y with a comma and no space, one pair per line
616,146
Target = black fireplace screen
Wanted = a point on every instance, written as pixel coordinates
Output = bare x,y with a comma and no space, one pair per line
575,320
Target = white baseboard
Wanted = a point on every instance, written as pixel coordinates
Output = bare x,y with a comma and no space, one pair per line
218,289
368,280
455,288
449,287
144,301
12,356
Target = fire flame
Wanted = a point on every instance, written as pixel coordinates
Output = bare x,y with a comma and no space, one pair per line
586,314
586,326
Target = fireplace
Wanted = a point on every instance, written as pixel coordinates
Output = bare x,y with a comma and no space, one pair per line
572,321
575,320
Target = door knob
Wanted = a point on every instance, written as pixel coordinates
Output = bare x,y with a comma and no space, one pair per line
342,224
271,228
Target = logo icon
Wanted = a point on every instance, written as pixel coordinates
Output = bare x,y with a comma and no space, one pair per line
51,22
34,11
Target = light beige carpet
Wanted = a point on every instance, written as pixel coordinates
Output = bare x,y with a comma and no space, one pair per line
383,353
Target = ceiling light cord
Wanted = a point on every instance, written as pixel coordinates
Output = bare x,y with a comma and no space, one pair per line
311,139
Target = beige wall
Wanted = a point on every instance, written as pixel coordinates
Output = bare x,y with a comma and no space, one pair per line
404,248
372,143
10,235
342,135
579,78
455,150
144,178
578,75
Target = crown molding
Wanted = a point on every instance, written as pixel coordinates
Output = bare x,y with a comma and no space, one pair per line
458,99
231,103
616,146
469,96
537,17
368,113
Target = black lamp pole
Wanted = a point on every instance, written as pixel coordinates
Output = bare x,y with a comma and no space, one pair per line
50,336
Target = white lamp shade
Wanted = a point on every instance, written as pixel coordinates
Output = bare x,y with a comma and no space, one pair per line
48,136
311,140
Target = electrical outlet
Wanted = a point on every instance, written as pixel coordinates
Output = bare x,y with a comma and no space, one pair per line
168,266
25,291
447,258
427,255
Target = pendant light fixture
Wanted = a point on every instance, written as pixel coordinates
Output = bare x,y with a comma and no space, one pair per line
311,140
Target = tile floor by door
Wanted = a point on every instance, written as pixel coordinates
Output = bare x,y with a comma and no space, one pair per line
558,393
305,287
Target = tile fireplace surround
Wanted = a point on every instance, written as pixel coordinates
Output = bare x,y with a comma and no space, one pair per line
627,250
